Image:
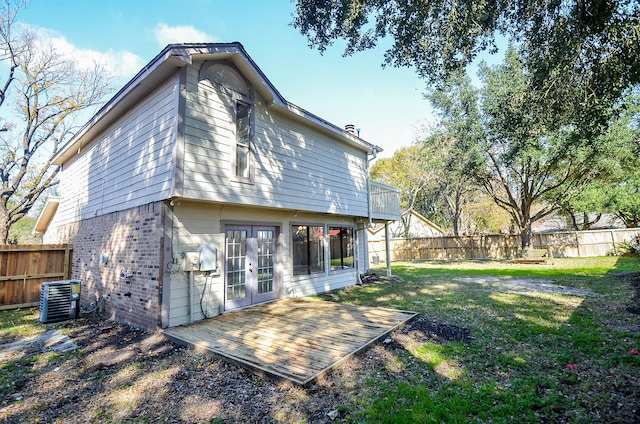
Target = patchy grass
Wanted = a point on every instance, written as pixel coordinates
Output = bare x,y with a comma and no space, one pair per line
538,356
484,349
19,323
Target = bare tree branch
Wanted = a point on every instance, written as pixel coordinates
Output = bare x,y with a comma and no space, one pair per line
47,91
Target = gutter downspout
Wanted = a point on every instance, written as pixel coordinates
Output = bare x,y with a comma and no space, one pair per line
375,154
190,290
356,253
370,219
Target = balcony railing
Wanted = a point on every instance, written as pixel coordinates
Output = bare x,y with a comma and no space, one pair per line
385,201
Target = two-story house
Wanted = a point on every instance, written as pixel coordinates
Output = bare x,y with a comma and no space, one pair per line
198,189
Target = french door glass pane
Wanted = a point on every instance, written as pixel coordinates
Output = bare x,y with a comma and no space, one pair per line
265,239
236,261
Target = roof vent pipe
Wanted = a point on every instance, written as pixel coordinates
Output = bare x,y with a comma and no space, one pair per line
350,128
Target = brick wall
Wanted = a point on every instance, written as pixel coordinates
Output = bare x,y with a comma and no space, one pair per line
118,257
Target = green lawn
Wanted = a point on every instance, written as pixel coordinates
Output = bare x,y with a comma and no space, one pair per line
536,357
543,344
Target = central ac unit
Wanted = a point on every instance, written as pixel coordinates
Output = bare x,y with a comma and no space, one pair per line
59,301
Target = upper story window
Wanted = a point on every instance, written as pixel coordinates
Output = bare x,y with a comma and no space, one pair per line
228,80
223,74
243,139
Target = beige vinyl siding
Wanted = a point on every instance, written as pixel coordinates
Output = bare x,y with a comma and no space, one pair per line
128,165
316,284
197,223
194,224
315,172
295,167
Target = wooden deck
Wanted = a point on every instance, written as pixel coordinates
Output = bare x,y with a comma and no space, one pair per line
294,339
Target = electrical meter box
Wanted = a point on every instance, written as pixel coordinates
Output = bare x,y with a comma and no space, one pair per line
191,261
208,257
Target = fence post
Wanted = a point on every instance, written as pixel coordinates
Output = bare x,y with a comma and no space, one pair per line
413,248
577,243
67,263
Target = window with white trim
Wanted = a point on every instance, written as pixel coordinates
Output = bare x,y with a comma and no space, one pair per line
341,242
308,249
242,115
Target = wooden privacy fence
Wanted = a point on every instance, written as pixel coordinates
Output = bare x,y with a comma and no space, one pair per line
23,269
500,247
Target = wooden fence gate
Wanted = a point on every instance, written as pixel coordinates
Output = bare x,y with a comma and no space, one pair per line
23,269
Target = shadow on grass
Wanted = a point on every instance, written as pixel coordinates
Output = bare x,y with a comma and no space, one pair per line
536,356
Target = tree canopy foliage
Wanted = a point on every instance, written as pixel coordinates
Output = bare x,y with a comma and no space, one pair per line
542,132
529,165
580,54
532,164
453,147
41,93
617,187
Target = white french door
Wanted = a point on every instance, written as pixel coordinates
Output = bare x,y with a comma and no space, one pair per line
250,265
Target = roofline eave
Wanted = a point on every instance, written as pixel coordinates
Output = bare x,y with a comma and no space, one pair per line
176,56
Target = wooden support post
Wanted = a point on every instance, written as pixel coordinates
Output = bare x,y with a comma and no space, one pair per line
388,248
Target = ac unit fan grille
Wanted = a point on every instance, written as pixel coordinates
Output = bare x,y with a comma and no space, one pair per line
56,302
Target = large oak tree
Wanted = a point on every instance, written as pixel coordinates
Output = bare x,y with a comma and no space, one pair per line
531,166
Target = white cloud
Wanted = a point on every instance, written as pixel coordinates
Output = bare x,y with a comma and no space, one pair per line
120,64
165,34
124,64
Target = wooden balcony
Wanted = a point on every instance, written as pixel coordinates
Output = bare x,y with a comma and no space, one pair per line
385,201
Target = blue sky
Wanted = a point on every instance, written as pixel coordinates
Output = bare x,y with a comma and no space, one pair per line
386,104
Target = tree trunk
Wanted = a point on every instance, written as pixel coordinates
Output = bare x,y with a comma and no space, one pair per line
525,235
455,227
4,225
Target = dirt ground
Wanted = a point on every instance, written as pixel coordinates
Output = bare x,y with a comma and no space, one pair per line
122,374
127,374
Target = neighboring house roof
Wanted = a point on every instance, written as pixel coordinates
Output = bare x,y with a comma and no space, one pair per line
557,222
426,221
46,215
414,214
177,56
